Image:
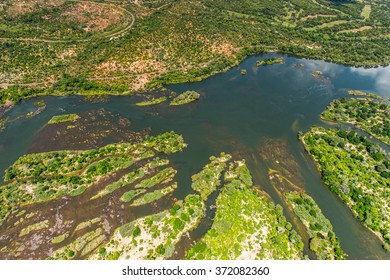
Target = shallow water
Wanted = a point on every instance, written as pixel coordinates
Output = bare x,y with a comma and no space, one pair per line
237,114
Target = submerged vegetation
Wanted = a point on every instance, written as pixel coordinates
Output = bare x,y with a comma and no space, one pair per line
371,116
357,170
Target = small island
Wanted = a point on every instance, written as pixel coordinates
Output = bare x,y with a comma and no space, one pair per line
185,97
270,61
153,101
362,93
316,73
63,118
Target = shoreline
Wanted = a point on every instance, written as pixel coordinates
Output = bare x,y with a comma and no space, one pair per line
156,84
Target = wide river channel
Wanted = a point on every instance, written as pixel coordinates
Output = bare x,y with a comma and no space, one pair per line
237,114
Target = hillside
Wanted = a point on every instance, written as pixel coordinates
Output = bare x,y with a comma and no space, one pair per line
118,47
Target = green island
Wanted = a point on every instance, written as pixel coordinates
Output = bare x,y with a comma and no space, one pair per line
153,101
246,225
207,181
270,61
45,176
63,118
155,236
39,107
245,220
45,44
357,170
316,73
323,240
370,115
185,97
362,93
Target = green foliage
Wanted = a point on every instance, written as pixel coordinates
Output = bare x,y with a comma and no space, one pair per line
160,232
207,181
371,116
63,118
153,101
357,172
185,97
52,174
168,142
137,232
270,61
316,225
130,195
200,38
246,222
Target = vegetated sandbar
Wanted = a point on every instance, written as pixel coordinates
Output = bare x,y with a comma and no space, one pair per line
156,236
185,97
45,176
63,118
270,61
323,240
153,101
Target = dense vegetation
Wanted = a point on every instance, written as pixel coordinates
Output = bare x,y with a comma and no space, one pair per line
56,47
322,238
357,170
370,115
246,224
269,61
154,237
45,176
185,97
63,118
207,181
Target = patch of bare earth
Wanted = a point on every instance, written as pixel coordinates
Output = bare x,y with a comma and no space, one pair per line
224,48
356,29
316,16
139,72
20,7
94,16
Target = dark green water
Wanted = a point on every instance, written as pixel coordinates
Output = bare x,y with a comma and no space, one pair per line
236,114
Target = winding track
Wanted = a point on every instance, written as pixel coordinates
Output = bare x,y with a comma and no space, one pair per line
118,33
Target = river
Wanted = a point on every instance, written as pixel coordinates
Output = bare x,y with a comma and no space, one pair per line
239,114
